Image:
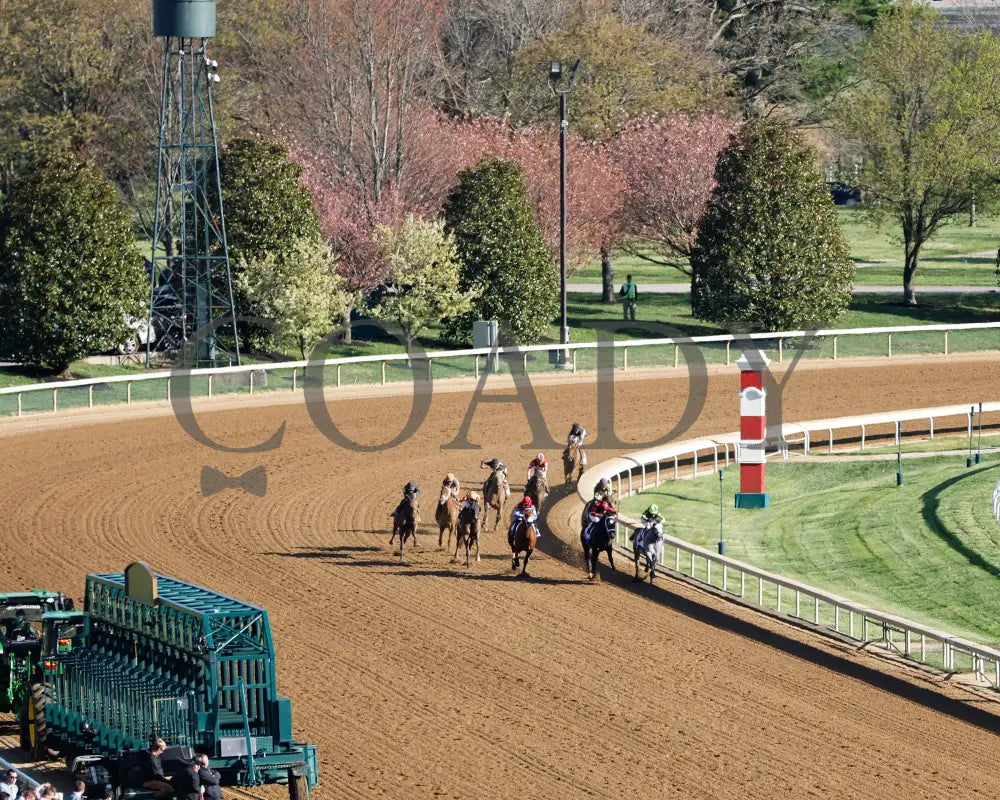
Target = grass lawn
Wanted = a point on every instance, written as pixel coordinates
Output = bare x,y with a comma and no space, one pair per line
928,551
947,260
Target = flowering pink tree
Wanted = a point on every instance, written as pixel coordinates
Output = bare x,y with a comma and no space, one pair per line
668,164
443,147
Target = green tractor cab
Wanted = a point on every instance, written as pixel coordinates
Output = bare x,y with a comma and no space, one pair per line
25,621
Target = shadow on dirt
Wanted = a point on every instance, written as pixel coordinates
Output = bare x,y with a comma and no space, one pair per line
976,711
460,574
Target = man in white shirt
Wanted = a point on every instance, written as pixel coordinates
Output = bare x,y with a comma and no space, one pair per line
79,787
8,785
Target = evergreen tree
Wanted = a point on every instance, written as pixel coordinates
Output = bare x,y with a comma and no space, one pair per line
770,255
269,213
267,208
70,273
505,264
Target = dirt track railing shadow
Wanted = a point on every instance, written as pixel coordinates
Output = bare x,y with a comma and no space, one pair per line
978,709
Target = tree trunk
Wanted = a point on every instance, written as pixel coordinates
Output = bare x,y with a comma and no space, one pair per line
972,213
345,330
607,275
909,270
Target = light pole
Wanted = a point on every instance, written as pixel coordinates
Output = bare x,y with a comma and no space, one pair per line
562,89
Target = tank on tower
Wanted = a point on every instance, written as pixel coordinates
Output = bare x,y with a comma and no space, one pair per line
186,19
191,295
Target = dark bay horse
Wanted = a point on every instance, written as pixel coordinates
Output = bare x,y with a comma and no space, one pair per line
468,531
597,537
404,523
523,541
537,488
573,462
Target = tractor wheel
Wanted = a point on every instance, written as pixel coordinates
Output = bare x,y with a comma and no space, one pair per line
25,729
38,729
298,787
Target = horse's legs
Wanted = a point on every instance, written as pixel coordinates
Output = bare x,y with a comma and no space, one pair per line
611,558
636,557
524,569
477,548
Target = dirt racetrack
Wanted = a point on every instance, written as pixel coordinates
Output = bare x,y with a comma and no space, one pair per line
423,680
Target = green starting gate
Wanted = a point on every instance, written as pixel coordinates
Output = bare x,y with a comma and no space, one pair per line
163,658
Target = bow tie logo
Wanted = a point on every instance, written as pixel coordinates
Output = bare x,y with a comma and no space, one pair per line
252,481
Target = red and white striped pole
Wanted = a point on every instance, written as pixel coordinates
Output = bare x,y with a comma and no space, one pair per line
753,423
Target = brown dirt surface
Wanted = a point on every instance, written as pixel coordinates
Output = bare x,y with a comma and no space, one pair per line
422,679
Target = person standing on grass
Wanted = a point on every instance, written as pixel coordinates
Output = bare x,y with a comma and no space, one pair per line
628,294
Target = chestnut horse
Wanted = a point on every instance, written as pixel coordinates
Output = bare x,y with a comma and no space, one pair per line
523,541
495,494
537,489
573,462
468,531
446,516
404,523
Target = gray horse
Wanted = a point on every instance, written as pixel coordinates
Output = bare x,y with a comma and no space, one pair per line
647,542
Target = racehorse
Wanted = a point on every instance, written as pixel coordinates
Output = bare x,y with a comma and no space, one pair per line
573,462
596,537
537,489
446,516
522,541
495,494
468,531
648,542
404,523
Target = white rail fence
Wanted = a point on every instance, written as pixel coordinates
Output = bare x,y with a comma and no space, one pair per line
792,599
160,384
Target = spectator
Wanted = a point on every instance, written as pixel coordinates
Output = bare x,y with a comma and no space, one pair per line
210,780
8,786
28,794
188,783
45,792
79,787
628,293
152,771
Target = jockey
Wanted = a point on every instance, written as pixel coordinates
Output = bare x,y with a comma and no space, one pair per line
539,463
471,500
498,467
410,492
651,520
603,490
577,433
599,509
450,482
525,512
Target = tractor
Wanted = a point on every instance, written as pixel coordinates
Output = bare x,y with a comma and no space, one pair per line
33,625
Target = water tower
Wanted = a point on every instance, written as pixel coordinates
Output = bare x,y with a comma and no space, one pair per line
191,282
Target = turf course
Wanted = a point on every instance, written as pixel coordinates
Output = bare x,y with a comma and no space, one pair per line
928,551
